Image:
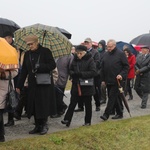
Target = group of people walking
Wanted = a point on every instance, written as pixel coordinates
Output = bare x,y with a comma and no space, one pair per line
92,72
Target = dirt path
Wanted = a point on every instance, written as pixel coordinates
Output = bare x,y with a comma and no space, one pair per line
22,127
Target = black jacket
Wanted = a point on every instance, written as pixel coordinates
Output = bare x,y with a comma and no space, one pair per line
84,68
113,64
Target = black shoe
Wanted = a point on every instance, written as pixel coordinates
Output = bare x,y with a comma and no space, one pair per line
86,124
55,116
2,139
66,122
104,117
37,129
17,116
79,109
97,108
143,106
24,115
9,123
117,117
102,102
44,130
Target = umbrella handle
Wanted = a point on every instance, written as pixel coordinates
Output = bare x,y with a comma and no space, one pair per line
118,83
43,37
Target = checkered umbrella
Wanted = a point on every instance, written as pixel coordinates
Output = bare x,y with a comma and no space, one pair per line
49,37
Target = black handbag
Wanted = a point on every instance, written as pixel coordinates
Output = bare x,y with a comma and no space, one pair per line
86,82
12,97
43,78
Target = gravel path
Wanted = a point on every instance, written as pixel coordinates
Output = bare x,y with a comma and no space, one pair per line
23,126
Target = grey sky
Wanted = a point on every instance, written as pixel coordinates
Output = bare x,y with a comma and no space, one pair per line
98,19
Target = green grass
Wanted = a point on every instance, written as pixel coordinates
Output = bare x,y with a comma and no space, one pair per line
128,134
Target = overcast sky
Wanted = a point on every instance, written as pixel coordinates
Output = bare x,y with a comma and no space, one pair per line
121,20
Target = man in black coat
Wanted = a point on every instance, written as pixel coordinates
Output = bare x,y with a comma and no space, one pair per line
102,50
114,67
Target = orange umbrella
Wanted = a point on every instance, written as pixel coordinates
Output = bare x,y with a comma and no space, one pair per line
8,56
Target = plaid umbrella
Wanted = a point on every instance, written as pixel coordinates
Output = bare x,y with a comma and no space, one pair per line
49,37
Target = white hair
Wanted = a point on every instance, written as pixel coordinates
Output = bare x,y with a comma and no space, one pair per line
111,41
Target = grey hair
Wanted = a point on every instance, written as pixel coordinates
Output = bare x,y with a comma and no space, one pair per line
111,41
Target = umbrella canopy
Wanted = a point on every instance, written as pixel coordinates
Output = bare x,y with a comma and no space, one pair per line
8,56
94,44
7,25
138,47
123,97
143,39
48,37
120,45
64,32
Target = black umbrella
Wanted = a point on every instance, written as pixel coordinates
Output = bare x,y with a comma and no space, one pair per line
143,39
7,25
123,97
64,32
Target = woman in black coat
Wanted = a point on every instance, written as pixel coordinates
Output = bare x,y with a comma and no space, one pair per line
83,66
40,100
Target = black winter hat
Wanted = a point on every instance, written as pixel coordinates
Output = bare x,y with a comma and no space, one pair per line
81,48
8,33
102,42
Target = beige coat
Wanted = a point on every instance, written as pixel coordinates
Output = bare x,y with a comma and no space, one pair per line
4,87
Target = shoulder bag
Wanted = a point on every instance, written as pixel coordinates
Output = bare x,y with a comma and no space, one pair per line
41,78
85,82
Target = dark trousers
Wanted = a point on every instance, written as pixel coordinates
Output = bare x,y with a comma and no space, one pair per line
103,93
128,88
88,108
97,95
114,100
23,101
1,123
59,99
143,96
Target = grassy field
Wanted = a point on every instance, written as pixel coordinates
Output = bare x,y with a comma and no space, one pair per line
128,134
